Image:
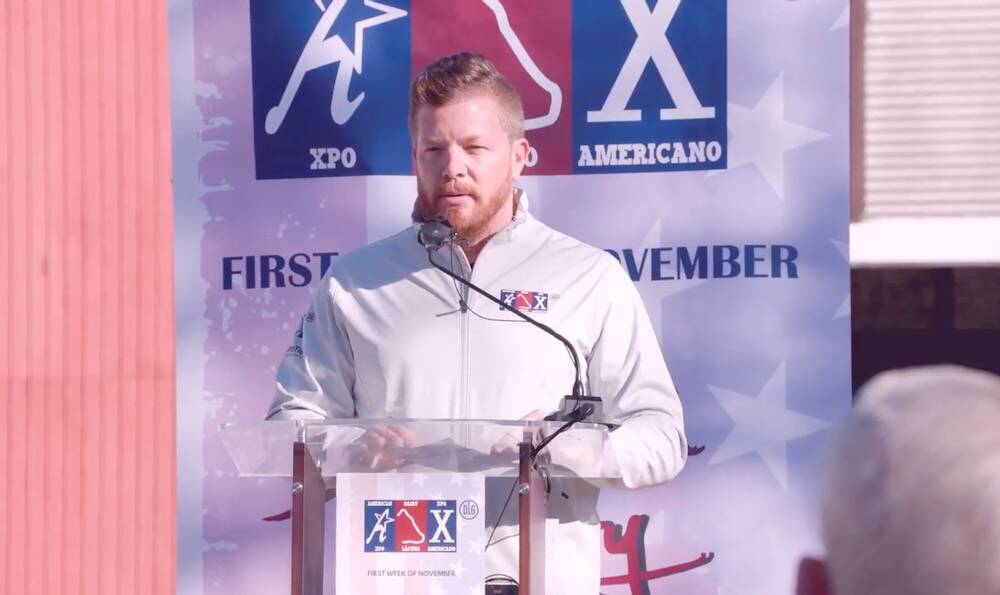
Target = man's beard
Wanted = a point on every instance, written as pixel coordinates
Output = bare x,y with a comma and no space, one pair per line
470,226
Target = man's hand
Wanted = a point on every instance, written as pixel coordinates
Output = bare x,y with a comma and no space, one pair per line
379,449
507,445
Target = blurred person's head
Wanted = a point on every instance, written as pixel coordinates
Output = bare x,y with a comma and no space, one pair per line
912,501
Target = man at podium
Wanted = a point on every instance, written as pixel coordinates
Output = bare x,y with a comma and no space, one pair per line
389,335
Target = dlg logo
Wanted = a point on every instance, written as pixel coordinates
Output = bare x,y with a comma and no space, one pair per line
410,526
328,77
649,85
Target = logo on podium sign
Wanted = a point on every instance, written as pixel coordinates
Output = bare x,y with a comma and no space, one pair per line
419,518
410,526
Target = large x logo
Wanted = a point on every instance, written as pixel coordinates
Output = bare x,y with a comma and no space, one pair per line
441,534
651,44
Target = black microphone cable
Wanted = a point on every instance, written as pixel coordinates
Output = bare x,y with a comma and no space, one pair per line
578,415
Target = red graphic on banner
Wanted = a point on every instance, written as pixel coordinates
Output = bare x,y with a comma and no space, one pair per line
530,43
632,543
411,526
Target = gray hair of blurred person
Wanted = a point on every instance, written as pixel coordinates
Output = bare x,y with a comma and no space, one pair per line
912,501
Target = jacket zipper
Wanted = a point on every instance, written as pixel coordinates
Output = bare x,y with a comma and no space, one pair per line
466,363
466,405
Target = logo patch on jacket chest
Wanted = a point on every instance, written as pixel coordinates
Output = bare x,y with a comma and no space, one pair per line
528,301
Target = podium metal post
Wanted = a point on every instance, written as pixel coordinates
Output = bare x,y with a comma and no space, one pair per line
308,507
531,522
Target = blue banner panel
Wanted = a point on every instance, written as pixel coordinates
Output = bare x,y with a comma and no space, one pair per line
649,85
330,88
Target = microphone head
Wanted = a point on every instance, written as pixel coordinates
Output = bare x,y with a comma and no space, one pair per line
435,232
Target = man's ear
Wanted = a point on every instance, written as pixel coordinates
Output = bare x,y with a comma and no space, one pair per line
813,578
518,156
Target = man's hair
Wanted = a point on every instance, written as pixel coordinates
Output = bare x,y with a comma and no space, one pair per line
913,498
463,75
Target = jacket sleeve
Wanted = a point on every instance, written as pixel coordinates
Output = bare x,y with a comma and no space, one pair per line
315,379
627,370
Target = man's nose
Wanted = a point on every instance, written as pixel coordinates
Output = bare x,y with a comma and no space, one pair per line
454,163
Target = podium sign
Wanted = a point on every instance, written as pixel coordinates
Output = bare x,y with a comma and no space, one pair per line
410,533
419,528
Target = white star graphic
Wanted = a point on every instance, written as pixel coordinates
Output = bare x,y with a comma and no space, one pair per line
763,424
458,568
762,136
654,292
457,479
418,479
389,13
845,306
844,20
477,546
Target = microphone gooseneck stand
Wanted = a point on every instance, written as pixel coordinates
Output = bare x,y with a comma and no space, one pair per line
432,235
436,233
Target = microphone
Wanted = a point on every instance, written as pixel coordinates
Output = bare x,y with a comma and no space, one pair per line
435,233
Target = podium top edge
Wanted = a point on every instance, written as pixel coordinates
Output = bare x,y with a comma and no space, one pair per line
397,421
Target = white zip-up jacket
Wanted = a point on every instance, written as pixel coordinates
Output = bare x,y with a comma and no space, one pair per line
387,336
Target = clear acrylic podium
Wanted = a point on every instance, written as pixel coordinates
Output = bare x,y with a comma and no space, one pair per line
311,454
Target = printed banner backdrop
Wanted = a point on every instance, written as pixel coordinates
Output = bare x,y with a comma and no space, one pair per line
702,143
